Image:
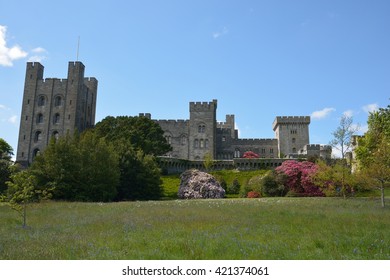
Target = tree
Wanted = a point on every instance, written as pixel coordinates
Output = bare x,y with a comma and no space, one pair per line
208,162
343,135
79,168
379,169
6,153
140,133
334,180
22,189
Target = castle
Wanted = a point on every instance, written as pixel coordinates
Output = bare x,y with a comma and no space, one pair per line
55,107
202,136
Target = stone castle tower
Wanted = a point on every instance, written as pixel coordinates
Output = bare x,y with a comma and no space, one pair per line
202,130
292,134
54,107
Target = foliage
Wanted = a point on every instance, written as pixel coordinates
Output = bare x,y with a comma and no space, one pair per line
208,162
299,177
22,189
336,179
373,151
343,135
250,154
139,175
234,187
253,194
140,133
80,168
6,153
273,184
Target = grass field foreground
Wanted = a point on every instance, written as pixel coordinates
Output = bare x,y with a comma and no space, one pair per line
266,228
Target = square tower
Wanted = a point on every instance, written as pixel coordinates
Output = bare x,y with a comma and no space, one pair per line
292,134
54,107
202,130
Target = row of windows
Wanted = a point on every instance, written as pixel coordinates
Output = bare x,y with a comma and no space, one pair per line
201,143
38,135
42,100
56,118
183,139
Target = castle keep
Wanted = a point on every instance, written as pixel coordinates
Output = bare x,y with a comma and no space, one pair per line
202,135
54,107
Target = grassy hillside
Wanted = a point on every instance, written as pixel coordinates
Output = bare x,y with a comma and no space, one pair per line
266,228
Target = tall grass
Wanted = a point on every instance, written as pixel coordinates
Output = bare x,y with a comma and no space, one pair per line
266,228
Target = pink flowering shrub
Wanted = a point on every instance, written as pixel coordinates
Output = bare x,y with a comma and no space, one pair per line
299,177
250,154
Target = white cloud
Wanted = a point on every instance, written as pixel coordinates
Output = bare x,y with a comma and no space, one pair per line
348,113
13,119
322,113
39,55
8,55
218,34
3,107
369,108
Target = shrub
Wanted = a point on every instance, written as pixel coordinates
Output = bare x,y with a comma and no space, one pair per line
250,154
253,194
273,184
234,188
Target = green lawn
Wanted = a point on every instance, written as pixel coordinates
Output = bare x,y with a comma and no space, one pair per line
266,228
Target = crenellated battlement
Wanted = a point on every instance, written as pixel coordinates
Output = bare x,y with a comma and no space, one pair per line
286,120
256,141
203,106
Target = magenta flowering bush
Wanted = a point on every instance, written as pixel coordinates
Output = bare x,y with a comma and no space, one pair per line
250,154
299,177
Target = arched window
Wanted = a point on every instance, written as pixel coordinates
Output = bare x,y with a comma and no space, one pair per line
294,150
183,139
40,118
293,140
37,136
201,128
206,143
41,100
56,119
196,143
58,101
36,152
201,143
56,135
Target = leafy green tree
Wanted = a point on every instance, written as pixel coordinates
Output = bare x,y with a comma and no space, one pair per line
140,133
139,175
22,189
79,168
342,140
208,162
6,153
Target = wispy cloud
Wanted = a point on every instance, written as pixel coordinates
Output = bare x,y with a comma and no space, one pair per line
13,119
38,55
369,108
3,107
8,55
318,115
220,33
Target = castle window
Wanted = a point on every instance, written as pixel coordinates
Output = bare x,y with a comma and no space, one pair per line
56,135
206,143
237,153
293,140
41,100
40,118
56,119
37,136
294,150
58,101
263,150
183,140
36,152
169,139
201,128
271,150
201,143
196,143
223,138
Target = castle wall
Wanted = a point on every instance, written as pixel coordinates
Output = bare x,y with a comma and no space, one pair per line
176,133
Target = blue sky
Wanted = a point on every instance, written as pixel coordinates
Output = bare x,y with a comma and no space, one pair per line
260,59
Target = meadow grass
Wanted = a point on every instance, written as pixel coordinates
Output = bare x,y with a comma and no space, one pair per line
265,228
